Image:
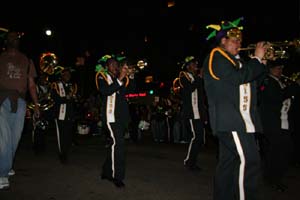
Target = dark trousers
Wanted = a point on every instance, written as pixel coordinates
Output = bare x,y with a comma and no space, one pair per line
196,143
41,127
238,170
296,146
64,131
114,164
38,140
277,153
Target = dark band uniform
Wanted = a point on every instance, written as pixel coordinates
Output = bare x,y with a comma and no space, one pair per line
115,114
275,103
64,95
194,111
232,99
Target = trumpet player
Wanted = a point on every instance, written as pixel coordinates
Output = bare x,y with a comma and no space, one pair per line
231,93
275,101
193,109
113,83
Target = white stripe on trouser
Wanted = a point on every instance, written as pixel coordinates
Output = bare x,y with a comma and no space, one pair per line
191,142
57,135
112,150
242,165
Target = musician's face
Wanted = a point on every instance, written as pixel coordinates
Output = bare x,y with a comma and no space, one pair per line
66,76
276,71
193,67
231,45
113,67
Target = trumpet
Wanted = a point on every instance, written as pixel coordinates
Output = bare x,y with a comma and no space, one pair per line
293,78
140,65
276,50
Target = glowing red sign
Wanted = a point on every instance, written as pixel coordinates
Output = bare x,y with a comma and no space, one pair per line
131,95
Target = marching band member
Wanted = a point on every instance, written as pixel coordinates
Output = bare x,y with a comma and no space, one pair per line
275,103
64,94
113,83
193,109
232,103
41,124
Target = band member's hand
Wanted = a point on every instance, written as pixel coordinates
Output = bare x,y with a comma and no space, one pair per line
264,61
123,73
261,49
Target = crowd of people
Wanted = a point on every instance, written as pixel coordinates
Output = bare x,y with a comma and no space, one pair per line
248,108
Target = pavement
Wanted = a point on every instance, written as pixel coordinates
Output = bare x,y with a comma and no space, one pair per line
154,171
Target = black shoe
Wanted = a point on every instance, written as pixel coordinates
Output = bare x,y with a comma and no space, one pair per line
63,159
118,183
193,167
105,177
279,187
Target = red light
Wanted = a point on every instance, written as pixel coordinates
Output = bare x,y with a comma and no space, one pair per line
162,84
131,95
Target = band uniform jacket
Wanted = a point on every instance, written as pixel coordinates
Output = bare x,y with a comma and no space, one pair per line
64,96
114,105
275,101
232,92
192,95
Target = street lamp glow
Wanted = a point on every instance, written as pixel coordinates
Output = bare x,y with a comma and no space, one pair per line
48,32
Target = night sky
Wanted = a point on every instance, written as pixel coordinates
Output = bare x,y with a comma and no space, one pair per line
172,33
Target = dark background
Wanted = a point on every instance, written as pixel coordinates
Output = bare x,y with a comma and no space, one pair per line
110,27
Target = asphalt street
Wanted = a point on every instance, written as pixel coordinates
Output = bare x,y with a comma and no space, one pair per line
153,172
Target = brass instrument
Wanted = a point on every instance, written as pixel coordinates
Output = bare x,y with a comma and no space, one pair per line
141,64
276,50
133,69
43,88
294,78
48,63
44,104
48,66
